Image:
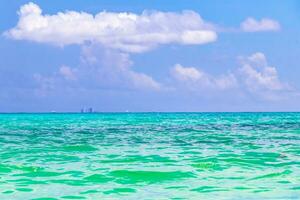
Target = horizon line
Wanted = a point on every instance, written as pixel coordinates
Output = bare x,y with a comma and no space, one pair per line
137,112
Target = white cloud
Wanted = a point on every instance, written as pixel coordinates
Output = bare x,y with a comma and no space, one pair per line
128,32
259,76
254,77
107,69
100,68
187,73
265,24
196,79
113,69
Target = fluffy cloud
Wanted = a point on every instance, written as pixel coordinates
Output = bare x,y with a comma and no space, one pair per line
259,76
100,68
196,79
128,32
113,69
265,24
254,76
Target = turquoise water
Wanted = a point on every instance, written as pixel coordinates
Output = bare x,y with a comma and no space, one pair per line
150,156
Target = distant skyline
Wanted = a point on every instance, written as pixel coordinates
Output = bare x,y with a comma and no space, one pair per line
175,56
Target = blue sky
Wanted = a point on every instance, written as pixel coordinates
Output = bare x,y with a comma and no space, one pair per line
149,56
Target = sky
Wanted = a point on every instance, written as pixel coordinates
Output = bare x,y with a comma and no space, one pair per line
149,56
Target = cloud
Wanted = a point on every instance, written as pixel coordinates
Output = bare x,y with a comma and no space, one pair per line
100,68
187,73
196,79
265,24
259,76
113,68
128,32
253,77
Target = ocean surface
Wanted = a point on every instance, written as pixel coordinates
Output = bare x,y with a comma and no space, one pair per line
150,156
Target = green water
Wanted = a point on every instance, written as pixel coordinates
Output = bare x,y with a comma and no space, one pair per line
150,156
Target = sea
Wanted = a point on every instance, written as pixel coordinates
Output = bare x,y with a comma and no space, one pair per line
137,156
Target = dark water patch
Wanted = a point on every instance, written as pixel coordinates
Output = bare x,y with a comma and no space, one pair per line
273,175
79,148
284,182
284,164
73,197
4,169
182,143
132,177
205,189
70,182
261,190
90,192
242,188
111,156
191,152
139,159
24,189
8,192
40,174
214,142
176,187
226,177
248,145
138,140
98,178
120,191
